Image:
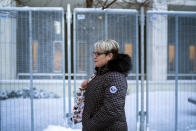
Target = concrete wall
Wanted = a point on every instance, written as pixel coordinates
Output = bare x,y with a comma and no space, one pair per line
7,42
157,44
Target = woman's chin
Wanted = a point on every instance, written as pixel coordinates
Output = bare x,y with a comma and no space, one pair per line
95,65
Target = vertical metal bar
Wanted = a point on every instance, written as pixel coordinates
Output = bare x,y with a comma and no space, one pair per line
74,50
176,77
106,25
147,84
142,69
74,55
31,69
137,75
0,108
1,77
68,16
63,64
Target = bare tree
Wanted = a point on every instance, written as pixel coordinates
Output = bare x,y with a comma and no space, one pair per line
123,3
89,3
126,4
104,3
22,2
99,3
147,4
137,4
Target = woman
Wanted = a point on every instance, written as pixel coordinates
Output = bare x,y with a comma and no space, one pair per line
105,93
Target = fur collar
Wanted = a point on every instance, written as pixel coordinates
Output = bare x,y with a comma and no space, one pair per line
122,63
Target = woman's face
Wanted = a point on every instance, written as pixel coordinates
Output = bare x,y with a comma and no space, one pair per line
101,59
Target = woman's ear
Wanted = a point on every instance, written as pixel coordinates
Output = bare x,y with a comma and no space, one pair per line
110,56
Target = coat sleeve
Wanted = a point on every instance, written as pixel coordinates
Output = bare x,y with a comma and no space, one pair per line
114,101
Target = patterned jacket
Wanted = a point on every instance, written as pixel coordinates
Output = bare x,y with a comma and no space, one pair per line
105,97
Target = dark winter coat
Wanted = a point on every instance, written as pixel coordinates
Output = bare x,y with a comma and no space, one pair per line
105,97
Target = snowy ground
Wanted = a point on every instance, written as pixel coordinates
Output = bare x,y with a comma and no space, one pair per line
48,113
59,128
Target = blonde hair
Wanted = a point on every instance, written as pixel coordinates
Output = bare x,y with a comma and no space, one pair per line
106,46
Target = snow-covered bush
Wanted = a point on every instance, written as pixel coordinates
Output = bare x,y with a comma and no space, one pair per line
26,93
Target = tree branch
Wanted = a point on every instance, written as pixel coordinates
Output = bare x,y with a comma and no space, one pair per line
138,5
106,1
108,5
89,3
21,2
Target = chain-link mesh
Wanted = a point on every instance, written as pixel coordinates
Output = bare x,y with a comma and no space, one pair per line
171,70
31,68
92,25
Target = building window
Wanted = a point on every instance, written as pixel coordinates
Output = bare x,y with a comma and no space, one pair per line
186,47
35,47
171,58
57,51
128,49
192,57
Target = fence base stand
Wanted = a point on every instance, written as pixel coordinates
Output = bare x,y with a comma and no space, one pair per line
68,122
138,126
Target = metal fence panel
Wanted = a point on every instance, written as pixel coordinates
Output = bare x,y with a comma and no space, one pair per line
32,68
171,70
32,84
92,25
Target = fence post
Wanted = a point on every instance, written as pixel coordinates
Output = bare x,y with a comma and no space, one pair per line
68,17
31,70
176,76
0,113
147,84
63,65
142,117
137,76
74,53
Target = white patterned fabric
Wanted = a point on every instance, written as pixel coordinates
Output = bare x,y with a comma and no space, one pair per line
79,104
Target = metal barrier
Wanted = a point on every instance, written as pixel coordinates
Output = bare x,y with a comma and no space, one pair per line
92,25
31,43
32,67
171,70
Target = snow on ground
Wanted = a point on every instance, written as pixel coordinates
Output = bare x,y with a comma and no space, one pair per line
59,128
48,113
